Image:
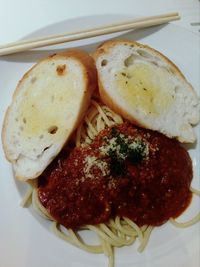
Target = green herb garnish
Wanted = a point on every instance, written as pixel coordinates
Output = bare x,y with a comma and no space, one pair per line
137,153
117,167
120,148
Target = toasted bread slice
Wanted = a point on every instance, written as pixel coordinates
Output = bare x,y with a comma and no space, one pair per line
146,88
47,105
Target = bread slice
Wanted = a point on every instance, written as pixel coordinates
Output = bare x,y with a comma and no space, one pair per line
47,106
146,88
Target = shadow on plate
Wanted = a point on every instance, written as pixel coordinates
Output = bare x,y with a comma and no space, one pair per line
88,45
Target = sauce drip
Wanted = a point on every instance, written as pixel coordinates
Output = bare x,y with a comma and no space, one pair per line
126,171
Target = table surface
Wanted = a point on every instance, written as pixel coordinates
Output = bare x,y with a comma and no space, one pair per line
21,17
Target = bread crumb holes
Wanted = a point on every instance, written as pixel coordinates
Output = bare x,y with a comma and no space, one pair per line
129,61
104,62
53,129
61,69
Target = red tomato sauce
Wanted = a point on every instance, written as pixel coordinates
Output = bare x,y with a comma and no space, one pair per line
126,171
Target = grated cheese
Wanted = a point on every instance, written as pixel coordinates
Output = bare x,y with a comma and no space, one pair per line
91,163
113,145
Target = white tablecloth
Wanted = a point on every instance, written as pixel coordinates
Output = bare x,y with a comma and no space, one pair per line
21,17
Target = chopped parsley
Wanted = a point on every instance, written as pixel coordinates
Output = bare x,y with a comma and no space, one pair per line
137,153
117,166
120,148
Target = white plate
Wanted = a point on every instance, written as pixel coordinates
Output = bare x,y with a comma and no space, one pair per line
25,239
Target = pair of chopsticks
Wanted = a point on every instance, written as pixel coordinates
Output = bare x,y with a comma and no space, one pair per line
143,22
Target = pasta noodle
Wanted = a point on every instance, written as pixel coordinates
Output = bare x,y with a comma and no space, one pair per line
193,220
116,232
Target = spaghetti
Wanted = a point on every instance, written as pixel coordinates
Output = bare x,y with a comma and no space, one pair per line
116,232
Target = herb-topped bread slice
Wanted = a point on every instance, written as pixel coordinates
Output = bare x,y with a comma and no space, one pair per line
146,88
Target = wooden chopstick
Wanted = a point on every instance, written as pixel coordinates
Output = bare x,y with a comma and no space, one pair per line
143,22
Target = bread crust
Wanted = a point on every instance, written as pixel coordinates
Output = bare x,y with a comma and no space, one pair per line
90,76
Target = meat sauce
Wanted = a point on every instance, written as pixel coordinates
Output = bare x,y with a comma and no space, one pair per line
126,171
